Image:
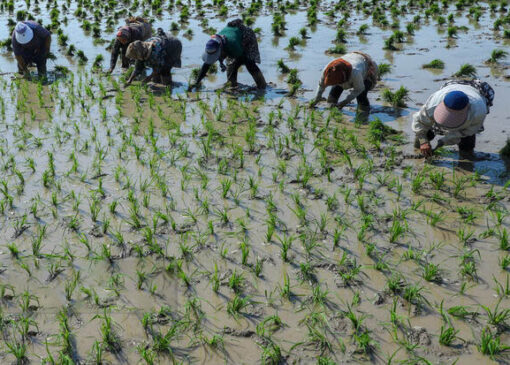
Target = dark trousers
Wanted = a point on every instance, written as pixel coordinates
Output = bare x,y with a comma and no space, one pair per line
466,143
362,99
162,75
253,69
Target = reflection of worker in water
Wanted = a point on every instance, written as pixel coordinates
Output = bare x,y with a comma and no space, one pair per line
456,111
31,44
355,71
238,45
136,29
160,53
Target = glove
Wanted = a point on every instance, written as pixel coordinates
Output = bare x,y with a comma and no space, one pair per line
426,149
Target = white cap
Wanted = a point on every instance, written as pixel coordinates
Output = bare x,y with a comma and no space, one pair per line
23,33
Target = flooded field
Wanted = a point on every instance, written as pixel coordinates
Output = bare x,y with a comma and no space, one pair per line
145,224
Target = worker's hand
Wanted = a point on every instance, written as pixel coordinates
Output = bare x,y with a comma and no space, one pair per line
312,103
426,149
342,104
109,72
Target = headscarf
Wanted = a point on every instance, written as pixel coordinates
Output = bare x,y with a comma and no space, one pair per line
124,32
139,50
337,72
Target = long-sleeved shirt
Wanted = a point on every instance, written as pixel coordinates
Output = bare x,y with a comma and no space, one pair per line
423,121
137,32
35,50
165,54
241,41
356,82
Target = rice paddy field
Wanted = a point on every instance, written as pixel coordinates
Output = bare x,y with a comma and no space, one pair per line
148,225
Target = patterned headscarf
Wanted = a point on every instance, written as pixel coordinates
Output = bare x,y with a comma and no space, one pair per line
139,50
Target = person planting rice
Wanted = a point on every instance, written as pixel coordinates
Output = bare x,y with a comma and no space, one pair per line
457,111
238,45
136,29
161,53
355,71
31,44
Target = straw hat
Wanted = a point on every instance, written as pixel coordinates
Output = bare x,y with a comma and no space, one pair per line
452,112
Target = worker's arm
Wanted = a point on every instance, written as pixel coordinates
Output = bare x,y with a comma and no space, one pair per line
320,90
357,89
115,54
201,75
422,123
139,66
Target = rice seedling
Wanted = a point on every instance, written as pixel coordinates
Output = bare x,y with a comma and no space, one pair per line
237,304
383,69
435,64
497,55
466,70
397,98
431,273
496,316
490,344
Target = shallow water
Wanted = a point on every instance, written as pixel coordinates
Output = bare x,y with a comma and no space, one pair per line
162,137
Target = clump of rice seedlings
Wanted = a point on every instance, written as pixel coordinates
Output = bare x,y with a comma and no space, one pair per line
503,290
504,262
413,294
341,36
432,273
436,64
294,81
98,61
383,69
466,70
236,305
452,32
447,335
496,316
396,99
282,67
337,49
505,151
397,230
490,344
303,32
293,42
362,29
286,242
18,350
497,55
82,58
378,131
389,43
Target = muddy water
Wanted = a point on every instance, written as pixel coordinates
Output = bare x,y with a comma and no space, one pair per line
134,163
